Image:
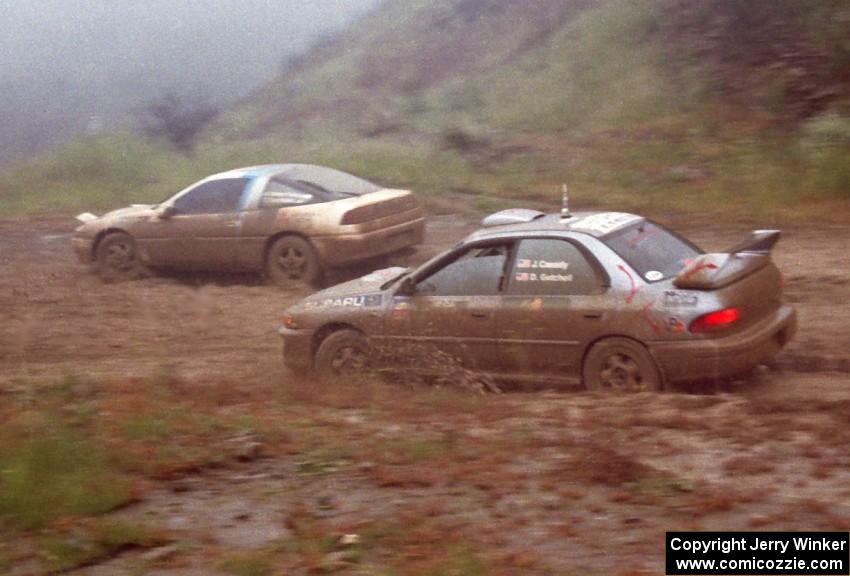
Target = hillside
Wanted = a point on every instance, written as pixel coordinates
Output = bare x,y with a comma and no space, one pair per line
667,103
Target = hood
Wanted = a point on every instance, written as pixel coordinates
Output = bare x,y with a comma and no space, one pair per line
371,282
133,211
364,291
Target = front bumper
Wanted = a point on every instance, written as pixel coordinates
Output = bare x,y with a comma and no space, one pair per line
729,356
83,248
345,248
297,348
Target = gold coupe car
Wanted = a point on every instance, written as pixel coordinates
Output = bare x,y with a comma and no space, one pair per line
289,221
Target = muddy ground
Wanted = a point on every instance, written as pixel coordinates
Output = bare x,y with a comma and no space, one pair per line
559,482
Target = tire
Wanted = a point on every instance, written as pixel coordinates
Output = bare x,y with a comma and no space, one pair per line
290,260
620,365
342,355
116,258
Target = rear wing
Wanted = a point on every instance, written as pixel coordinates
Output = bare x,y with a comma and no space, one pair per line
758,242
712,271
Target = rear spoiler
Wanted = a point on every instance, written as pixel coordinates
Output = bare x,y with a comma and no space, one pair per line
758,242
712,271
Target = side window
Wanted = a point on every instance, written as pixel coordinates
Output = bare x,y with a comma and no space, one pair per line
213,197
552,267
279,194
478,272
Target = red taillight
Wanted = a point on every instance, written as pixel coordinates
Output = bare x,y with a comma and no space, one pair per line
358,215
715,320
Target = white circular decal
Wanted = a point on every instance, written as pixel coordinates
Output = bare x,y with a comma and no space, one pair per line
654,275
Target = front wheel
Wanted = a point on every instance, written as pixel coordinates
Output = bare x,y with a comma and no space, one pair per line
116,258
341,355
620,365
290,260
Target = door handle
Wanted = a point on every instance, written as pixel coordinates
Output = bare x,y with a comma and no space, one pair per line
593,315
231,224
479,315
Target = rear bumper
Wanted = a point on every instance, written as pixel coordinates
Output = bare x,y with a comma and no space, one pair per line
344,248
722,357
83,248
297,348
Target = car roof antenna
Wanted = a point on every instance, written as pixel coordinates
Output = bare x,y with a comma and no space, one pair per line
565,203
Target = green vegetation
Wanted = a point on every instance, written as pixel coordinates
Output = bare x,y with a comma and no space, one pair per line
54,472
647,104
86,546
67,453
246,565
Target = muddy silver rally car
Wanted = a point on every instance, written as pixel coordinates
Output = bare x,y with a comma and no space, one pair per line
611,298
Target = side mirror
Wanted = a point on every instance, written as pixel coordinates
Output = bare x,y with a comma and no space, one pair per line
167,212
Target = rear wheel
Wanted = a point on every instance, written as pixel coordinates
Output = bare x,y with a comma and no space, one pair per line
341,355
620,365
290,260
116,258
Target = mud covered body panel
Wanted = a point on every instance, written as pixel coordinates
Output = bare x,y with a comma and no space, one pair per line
238,237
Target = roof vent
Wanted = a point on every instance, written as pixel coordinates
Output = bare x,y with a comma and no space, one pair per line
511,216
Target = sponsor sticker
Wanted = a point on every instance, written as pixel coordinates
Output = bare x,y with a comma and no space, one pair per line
360,301
673,299
605,222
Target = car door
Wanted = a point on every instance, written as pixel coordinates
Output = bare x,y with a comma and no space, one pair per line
554,305
450,313
263,217
201,229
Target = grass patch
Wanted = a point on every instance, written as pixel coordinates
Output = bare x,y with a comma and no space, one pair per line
56,471
70,448
246,565
94,543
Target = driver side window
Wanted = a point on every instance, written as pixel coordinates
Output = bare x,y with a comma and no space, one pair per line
214,197
476,272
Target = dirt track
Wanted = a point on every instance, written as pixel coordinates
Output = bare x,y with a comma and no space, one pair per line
58,319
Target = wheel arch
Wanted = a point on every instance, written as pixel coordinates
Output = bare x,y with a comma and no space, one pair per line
641,343
283,234
103,234
326,330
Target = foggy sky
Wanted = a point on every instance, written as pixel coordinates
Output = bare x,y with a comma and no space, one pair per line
66,65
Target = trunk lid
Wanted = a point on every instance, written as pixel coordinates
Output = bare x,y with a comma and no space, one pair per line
745,277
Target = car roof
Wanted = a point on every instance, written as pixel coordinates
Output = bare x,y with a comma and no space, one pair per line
596,224
264,170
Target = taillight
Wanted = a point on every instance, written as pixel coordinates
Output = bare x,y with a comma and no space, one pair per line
358,215
719,320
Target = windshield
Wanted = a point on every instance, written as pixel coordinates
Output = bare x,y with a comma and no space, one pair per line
653,251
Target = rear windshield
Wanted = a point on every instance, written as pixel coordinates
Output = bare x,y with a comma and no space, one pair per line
330,180
653,251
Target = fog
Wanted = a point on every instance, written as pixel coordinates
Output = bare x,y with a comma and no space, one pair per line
71,66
